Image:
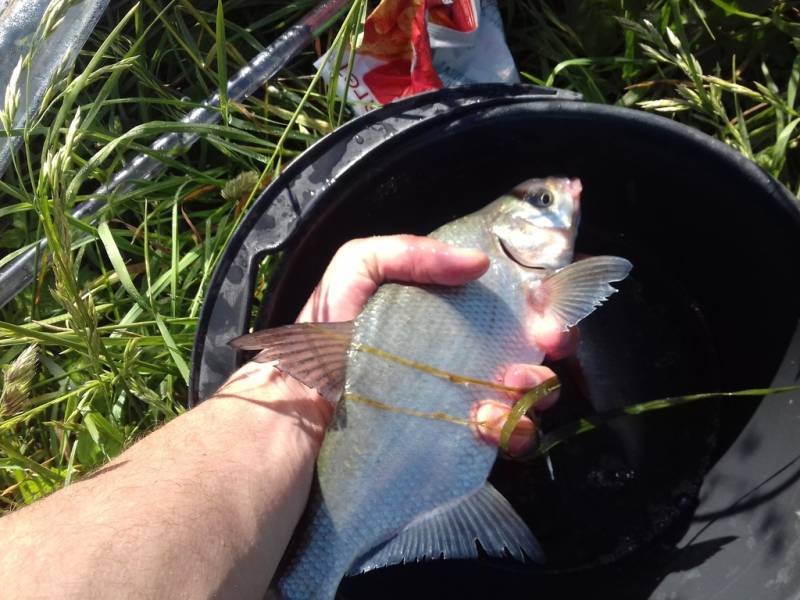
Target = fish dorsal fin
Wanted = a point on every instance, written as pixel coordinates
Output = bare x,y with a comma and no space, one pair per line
451,530
573,292
313,353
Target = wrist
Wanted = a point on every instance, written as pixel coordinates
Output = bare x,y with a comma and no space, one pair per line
270,395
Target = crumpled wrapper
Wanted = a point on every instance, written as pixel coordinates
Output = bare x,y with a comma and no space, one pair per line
414,46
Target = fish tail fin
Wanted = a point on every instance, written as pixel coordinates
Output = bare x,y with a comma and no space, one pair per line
313,353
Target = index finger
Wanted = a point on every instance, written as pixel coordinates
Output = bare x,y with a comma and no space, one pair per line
411,259
361,265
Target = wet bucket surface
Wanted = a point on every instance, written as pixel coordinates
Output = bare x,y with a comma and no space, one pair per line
711,304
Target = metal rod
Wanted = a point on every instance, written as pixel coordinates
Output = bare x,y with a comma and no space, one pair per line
20,272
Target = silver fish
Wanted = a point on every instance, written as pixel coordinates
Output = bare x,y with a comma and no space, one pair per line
396,480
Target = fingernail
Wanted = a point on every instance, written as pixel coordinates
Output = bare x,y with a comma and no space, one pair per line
475,261
472,252
522,377
490,418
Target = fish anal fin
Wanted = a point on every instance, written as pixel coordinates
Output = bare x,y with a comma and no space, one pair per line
313,353
451,531
572,293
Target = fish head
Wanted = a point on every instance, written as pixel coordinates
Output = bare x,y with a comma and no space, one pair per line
535,223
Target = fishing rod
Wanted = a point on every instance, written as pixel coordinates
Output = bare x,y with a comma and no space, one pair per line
20,272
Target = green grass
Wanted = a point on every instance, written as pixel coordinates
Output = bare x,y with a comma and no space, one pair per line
113,312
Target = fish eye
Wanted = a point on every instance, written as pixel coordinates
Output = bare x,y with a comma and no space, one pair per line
541,199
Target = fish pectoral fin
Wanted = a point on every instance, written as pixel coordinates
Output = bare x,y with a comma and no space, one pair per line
313,353
573,292
451,531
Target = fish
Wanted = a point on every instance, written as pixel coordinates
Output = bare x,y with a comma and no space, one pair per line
401,475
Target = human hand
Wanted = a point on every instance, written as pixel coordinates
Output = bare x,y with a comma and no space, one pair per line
360,266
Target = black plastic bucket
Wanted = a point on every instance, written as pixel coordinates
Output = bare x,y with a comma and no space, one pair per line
695,502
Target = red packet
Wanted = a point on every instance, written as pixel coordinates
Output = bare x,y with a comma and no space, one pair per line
413,46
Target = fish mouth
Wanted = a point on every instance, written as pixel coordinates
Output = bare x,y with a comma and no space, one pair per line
516,259
574,187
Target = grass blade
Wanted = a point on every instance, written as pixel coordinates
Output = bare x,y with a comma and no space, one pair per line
118,263
222,63
592,422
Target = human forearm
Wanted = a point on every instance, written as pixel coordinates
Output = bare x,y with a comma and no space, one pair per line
204,505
